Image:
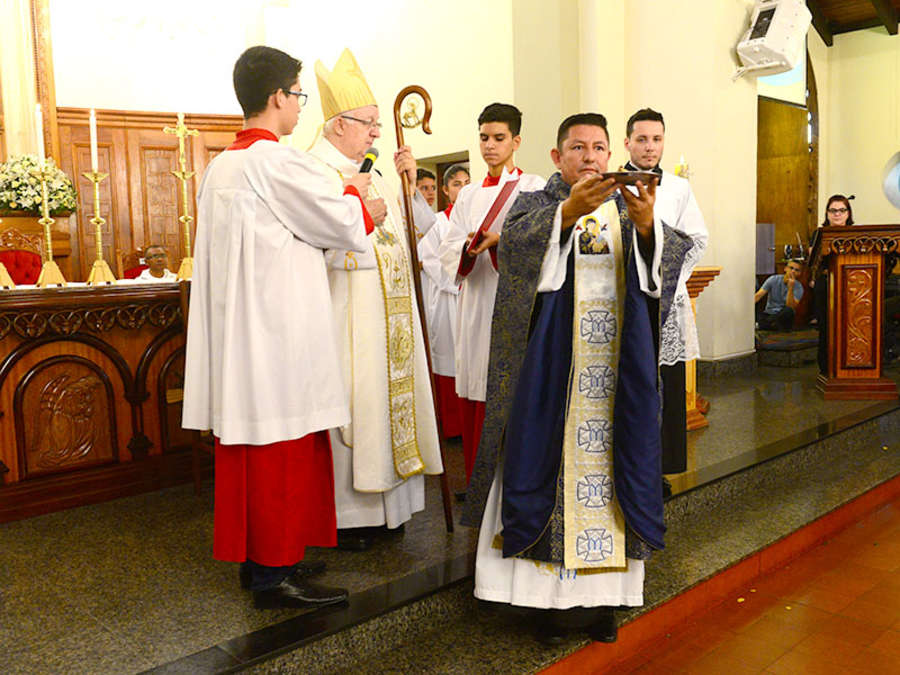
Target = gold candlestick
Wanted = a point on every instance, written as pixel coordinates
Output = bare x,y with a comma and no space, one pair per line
186,270
100,272
5,280
50,274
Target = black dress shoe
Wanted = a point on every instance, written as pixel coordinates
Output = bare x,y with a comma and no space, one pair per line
298,593
302,569
550,633
604,629
352,540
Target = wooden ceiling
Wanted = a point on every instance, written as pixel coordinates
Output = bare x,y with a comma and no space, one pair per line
832,17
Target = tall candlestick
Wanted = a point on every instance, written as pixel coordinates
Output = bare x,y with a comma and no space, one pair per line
93,123
39,124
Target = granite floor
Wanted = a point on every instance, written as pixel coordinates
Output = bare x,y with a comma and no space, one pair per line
130,585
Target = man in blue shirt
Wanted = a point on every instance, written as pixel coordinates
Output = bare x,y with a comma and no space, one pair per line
783,293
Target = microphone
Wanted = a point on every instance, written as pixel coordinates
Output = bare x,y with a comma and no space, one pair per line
369,160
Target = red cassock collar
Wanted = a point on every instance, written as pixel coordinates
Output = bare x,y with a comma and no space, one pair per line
491,181
448,210
247,137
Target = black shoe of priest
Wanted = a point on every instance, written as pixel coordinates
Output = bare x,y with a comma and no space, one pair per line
604,629
354,539
301,593
549,632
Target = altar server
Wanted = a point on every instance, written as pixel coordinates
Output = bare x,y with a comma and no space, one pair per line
262,370
439,296
676,207
499,125
382,453
566,485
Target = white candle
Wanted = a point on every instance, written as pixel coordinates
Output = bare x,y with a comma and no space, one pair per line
94,141
39,122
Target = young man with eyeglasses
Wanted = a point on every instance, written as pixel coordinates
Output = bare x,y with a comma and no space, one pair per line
482,207
157,260
390,442
261,368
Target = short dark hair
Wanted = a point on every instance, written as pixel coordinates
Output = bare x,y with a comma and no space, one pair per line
845,201
424,173
258,73
591,119
452,171
502,112
644,115
159,246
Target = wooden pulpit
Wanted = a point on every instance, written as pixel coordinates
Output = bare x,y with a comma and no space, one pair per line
856,258
700,278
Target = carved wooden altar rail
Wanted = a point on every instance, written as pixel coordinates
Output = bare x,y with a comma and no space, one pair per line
86,380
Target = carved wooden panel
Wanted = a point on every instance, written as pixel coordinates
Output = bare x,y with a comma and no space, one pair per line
171,395
859,284
140,200
76,159
65,417
161,199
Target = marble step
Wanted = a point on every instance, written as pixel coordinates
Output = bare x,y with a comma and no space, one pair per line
710,528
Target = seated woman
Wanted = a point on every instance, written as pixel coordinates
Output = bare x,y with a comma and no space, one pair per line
837,213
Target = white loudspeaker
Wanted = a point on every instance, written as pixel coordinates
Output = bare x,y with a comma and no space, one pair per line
775,41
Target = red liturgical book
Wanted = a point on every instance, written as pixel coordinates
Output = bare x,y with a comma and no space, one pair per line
501,203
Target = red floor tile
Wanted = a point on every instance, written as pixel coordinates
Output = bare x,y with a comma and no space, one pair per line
888,643
834,609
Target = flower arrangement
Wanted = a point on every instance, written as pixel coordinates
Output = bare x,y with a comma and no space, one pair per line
20,189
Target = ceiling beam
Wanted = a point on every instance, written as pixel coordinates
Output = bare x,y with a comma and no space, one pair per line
887,13
820,22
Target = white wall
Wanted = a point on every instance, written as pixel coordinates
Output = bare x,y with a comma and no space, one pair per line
170,56
864,121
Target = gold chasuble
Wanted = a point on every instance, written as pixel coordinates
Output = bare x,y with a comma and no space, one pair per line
594,525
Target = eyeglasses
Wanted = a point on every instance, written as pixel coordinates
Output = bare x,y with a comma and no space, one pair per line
301,97
368,123
836,211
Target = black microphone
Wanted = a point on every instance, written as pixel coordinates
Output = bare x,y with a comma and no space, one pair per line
369,160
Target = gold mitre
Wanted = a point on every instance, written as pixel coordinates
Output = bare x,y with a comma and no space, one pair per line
343,88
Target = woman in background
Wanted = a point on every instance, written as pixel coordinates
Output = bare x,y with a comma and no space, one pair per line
837,213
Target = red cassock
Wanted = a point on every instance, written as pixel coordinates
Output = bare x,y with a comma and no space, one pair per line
449,406
274,500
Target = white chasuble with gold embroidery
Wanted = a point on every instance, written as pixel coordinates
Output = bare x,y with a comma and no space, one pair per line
392,434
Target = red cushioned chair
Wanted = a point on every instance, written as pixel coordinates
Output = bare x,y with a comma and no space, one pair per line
21,254
131,264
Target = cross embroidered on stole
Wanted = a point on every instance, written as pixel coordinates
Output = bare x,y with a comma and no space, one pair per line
594,525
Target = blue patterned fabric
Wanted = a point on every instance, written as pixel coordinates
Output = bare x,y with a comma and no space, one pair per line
518,313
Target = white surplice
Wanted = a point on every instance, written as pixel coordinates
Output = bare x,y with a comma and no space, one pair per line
676,207
368,491
528,583
475,308
167,277
261,364
439,295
